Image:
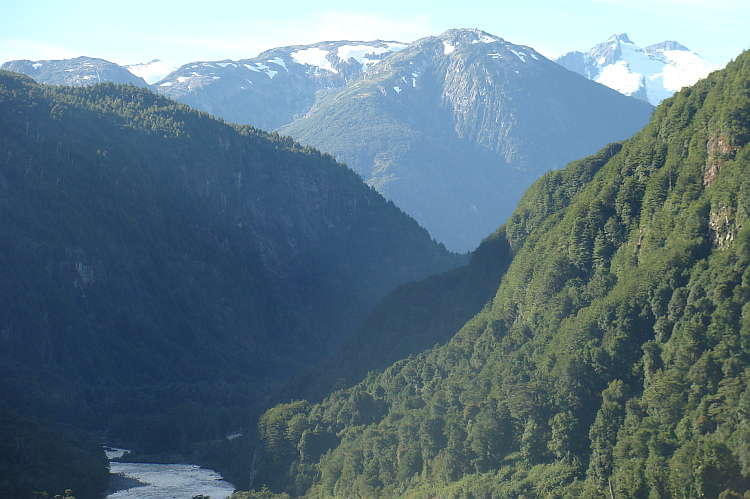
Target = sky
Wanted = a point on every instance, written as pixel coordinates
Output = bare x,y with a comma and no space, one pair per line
138,31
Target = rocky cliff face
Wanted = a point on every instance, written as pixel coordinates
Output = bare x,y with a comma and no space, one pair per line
276,87
454,128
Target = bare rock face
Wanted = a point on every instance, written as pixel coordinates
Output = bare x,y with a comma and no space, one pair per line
454,128
276,87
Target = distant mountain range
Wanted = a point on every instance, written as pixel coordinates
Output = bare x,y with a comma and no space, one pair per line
278,86
75,72
451,128
454,128
652,73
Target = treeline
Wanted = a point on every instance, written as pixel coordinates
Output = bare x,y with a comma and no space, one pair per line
613,361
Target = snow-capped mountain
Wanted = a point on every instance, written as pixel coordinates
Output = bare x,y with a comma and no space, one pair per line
652,73
276,87
74,72
151,71
455,127
452,128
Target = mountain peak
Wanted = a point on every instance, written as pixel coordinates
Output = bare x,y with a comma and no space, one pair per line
452,38
152,71
651,74
619,37
660,48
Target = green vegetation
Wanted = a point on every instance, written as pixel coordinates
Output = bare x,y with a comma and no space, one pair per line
613,361
42,460
164,271
412,318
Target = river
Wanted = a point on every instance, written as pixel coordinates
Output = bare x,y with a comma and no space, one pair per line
168,481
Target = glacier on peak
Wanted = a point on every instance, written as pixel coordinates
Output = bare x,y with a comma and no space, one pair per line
652,73
152,72
314,56
361,52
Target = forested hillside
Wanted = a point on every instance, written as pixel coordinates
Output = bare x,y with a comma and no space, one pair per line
412,318
613,361
162,270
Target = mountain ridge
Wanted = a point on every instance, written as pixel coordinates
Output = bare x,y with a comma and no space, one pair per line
453,128
272,89
613,360
75,72
651,73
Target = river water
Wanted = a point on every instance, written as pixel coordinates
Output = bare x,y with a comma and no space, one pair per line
169,481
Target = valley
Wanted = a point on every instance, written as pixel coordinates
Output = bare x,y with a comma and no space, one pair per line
457,270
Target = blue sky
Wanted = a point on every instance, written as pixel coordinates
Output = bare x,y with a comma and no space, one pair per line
135,31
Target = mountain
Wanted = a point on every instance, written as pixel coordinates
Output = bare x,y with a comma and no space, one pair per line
276,87
453,141
74,72
652,73
162,271
454,128
613,360
151,72
412,318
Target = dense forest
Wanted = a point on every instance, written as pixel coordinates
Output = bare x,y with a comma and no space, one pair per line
613,360
163,271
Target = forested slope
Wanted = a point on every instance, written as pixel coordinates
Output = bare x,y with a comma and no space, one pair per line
410,319
162,270
614,360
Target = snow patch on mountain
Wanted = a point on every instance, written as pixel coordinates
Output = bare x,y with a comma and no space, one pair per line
520,55
620,77
360,53
259,67
151,72
684,68
314,57
652,73
280,62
